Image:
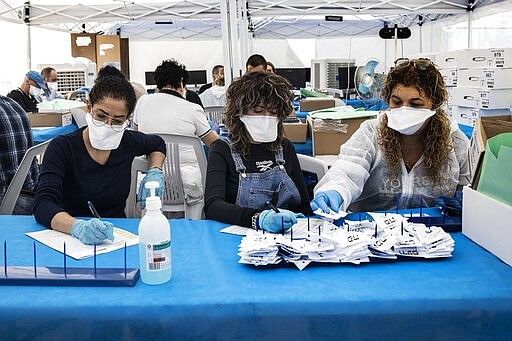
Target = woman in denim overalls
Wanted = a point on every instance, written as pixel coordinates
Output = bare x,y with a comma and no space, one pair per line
254,178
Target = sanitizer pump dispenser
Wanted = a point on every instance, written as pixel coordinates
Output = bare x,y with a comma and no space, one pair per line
154,241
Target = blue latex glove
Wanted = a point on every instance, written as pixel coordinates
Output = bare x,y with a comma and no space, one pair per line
92,231
327,201
275,222
153,174
358,216
452,206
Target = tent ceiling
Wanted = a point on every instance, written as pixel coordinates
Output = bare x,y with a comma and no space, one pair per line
200,19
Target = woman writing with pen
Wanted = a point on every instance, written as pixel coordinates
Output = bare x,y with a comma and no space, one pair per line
254,178
93,166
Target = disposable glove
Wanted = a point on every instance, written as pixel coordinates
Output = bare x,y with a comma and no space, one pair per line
452,206
274,222
358,216
327,201
92,231
153,174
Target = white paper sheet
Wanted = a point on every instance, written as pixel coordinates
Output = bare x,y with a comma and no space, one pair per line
236,230
76,249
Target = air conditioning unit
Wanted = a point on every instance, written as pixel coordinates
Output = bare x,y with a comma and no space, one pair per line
324,72
80,73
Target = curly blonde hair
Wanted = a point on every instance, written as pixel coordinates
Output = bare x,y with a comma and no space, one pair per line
258,89
437,136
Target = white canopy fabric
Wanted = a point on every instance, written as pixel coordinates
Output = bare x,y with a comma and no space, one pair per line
201,19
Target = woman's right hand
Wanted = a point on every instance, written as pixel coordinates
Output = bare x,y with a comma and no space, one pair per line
92,231
327,201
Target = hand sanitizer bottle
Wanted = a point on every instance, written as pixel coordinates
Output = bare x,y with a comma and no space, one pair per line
154,241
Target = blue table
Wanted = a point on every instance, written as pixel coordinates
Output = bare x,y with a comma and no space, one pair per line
42,135
211,296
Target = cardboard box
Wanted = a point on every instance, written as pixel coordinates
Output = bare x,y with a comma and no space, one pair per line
485,128
468,116
50,119
481,99
449,77
486,221
446,60
296,131
482,58
329,142
316,103
108,50
488,78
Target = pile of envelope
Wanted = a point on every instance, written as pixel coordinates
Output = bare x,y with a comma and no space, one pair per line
317,240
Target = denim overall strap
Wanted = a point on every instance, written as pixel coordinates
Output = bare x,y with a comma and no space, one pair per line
280,157
239,164
274,185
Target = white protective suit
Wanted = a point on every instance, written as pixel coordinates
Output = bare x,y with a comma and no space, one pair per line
362,177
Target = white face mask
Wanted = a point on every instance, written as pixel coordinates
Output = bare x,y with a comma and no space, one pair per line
407,120
52,86
102,136
34,91
261,128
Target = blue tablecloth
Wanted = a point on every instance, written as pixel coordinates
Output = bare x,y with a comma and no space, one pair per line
212,296
42,135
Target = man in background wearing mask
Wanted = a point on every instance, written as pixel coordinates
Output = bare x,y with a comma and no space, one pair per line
26,95
50,78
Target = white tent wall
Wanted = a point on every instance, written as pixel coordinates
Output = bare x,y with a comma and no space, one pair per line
47,47
204,55
195,55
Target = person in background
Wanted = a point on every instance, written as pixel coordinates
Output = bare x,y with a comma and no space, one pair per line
216,95
51,78
26,95
256,63
16,139
270,67
190,96
168,112
217,69
257,164
407,156
94,164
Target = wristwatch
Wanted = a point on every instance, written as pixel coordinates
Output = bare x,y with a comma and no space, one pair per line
254,221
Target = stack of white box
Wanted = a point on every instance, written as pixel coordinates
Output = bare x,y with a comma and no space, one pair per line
479,82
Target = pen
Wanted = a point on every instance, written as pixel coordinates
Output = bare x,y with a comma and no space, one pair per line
269,204
93,210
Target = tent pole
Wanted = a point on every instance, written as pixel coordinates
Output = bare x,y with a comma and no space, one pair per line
29,48
226,42
470,29
26,20
469,9
235,37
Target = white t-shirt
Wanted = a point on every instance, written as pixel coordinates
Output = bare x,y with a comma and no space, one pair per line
214,96
169,113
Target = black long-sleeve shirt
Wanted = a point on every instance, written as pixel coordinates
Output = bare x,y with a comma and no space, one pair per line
27,102
70,177
222,181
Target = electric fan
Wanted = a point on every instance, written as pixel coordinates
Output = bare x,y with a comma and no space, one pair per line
367,82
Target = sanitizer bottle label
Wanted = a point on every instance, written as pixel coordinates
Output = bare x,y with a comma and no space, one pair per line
158,256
